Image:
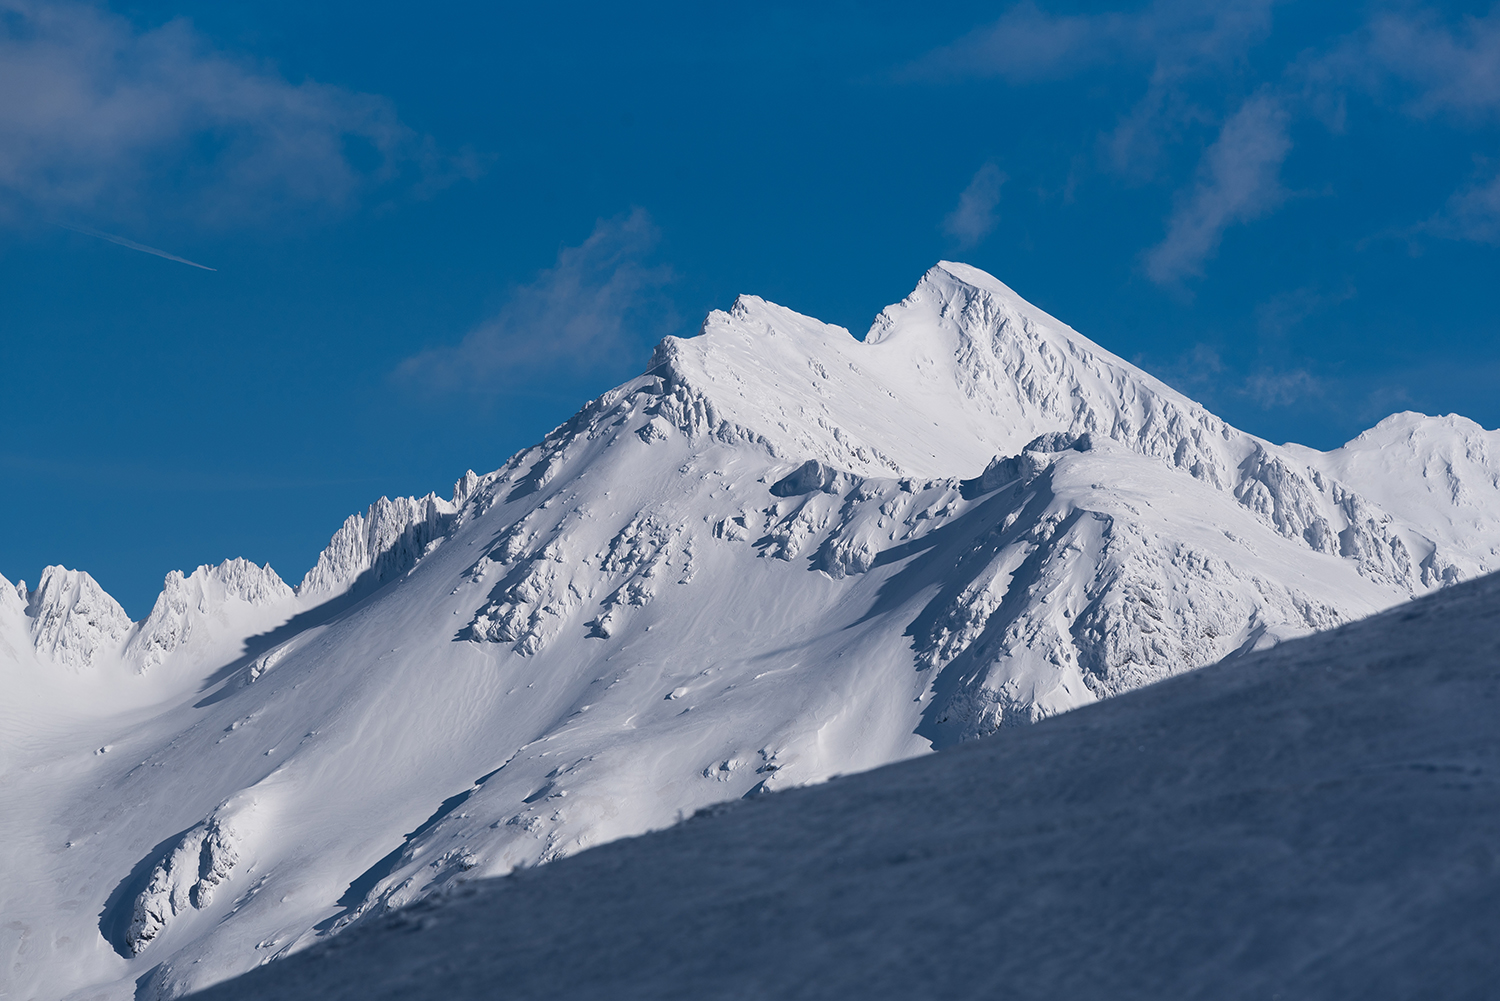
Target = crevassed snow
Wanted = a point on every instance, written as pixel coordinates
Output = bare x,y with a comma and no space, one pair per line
1314,822
778,555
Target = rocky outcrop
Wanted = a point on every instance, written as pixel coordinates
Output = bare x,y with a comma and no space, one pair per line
185,877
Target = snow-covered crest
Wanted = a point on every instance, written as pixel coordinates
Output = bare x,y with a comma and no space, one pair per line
380,544
187,601
961,370
73,619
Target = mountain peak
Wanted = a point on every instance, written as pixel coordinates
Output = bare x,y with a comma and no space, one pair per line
73,617
960,370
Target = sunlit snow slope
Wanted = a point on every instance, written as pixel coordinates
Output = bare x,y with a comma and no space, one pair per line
778,555
1315,822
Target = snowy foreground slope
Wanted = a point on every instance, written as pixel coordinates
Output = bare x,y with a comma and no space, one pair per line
1317,821
778,555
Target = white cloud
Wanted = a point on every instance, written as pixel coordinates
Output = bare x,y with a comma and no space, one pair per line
1195,60
1238,180
1270,388
1285,311
1473,213
98,117
1427,68
1203,370
1436,68
591,311
1027,43
974,217
1180,40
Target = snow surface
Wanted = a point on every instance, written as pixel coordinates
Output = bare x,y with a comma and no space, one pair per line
1315,822
780,554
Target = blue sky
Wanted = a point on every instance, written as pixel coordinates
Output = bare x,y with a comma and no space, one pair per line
436,232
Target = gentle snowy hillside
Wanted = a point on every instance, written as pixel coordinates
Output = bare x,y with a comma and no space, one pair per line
1313,822
778,555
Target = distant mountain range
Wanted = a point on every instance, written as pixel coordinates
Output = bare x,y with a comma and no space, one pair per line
779,555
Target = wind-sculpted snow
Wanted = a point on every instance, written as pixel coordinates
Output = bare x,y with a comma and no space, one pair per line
74,622
379,545
997,371
1060,591
959,371
1014,361
778,555
1440,474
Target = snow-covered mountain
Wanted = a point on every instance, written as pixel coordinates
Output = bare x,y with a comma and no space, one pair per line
778,555
1315,822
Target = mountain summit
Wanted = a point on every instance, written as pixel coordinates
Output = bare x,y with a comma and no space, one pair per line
779,554
960,371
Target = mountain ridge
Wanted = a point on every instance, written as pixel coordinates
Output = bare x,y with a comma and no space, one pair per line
778,555
1167,425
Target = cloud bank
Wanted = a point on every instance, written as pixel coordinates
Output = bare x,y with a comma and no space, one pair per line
99,117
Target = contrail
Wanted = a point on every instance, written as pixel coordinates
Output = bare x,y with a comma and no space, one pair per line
86,231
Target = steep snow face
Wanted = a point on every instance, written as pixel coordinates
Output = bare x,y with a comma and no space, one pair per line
16,646
778,555
961,370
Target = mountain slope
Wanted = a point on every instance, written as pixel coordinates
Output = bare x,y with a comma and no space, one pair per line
778,555
1315,821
